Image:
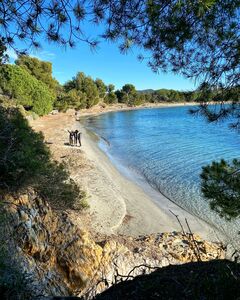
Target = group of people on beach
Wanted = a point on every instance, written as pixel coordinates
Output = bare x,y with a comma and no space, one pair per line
75,138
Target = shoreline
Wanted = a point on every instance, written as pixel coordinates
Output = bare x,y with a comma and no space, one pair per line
150,211
100,109
118,205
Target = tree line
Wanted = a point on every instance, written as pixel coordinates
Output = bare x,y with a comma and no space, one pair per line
30,83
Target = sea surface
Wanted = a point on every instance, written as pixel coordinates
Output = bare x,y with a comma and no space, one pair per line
167,147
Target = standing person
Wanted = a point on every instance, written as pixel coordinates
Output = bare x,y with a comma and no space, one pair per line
79,139
71,136
75,137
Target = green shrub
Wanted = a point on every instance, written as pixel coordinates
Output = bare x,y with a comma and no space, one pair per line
220,183
41,70
72,99
110,98
26,161
81,92
29,92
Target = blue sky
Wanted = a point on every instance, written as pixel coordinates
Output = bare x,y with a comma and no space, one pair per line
108,64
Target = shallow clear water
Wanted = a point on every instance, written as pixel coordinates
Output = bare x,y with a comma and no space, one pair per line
168,147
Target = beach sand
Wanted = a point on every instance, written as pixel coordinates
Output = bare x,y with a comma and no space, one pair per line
118,205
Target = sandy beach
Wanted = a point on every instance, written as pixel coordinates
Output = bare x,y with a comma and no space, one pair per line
103,108
118,205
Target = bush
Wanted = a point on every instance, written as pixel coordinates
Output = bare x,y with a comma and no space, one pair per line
111,98
26,161
73,99
26,89
82,92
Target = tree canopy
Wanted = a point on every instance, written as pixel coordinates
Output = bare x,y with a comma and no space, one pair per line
197,38
86,88
102,88
33,94
221,186
41,70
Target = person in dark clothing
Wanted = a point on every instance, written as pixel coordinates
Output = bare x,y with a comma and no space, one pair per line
79,139
75,137
71,137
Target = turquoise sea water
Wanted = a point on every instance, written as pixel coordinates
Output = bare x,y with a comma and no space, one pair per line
168,147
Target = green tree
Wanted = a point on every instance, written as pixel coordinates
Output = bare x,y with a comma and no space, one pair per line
69,85
148,98
102,88
86,91
119,95
161,95
79,80
91,91
73,99
42,70
110,88
129,89
130,96
221,187
111,98
26,89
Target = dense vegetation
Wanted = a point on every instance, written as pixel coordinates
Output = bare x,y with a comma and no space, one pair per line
41,70
33,94
26,161
84,92
221,187
30,83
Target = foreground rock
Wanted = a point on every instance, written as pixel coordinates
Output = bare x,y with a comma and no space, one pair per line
62,259
215,279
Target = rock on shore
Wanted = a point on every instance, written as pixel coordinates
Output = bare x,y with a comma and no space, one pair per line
62,259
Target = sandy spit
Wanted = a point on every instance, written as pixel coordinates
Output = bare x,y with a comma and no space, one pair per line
117,204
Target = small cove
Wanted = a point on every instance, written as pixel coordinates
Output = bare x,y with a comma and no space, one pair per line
167,147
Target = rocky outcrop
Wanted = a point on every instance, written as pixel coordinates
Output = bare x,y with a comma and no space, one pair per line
62,259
